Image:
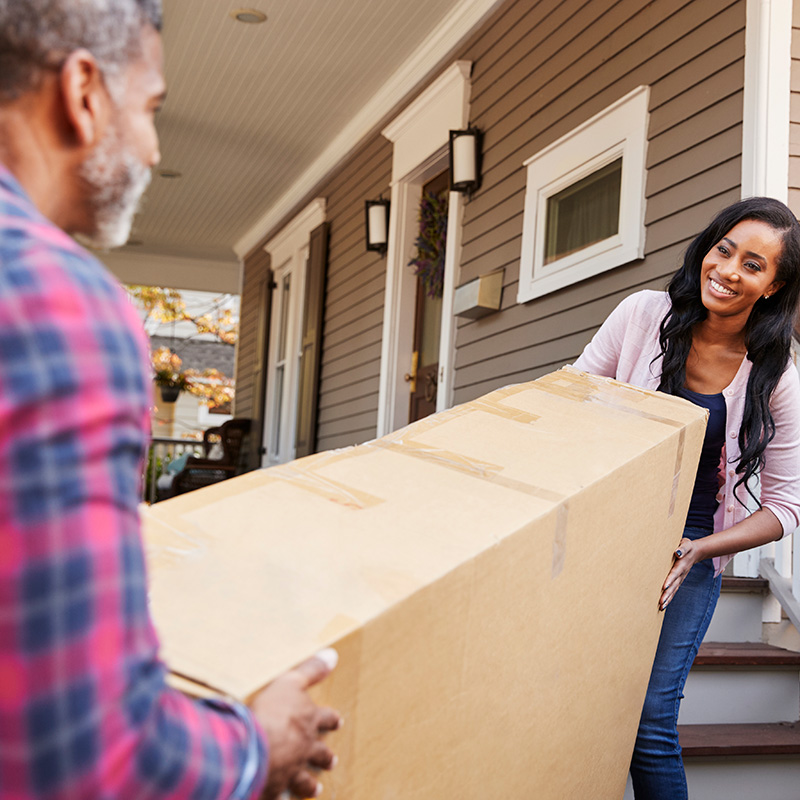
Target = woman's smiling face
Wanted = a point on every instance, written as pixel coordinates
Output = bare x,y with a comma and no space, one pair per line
741,269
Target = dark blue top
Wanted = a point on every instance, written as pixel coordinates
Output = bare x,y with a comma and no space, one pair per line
706,486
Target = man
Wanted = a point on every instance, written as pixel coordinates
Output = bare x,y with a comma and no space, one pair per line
84,710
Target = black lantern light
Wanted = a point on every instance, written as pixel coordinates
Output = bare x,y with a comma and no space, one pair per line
465,160
377,222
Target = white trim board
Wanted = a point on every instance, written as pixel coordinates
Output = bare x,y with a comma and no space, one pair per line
420,136
767,97
458,25
288,251
151,269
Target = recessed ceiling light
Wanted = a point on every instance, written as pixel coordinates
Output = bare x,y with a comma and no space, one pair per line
249,15
169,173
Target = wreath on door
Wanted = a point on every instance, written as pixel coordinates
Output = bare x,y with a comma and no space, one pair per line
430,244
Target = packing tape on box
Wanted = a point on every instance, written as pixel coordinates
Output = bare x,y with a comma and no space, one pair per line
562,384
677,476
312,481
477,469
404,442
560,541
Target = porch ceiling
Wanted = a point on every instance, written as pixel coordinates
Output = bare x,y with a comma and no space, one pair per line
251,106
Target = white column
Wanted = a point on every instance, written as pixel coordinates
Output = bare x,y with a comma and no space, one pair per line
767,74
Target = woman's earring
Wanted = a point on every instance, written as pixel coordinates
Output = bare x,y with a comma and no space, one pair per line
766,297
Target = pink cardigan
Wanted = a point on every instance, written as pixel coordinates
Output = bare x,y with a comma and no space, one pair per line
624,348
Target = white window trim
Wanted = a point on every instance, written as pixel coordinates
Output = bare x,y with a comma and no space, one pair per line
619,130
767,99
288,252
420,135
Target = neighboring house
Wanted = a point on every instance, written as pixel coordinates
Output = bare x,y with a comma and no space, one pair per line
188,416
675,107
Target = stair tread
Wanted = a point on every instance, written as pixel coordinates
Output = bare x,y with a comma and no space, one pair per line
731,584
741,739
735,654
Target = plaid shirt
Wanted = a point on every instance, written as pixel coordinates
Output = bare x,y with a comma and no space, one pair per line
84,710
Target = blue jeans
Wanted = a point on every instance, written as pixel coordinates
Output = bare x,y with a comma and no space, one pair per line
657,767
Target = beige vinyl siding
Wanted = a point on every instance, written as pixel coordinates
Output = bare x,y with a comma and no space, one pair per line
539,71
794,114
540,68
353,315
256,272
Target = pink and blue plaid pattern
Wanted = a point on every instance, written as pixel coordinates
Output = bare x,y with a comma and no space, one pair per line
84,710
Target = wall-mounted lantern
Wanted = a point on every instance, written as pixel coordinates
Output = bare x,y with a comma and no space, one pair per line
465,160
377,222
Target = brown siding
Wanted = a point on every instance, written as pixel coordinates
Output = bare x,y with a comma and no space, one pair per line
539,71
353,316
256,272
794,114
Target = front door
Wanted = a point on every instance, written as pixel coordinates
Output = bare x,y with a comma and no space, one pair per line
423,378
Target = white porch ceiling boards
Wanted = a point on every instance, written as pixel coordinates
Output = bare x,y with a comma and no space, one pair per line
250,107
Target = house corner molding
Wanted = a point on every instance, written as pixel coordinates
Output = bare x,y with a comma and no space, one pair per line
767,97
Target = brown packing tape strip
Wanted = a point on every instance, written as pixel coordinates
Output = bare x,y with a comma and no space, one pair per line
677,476
477,469
565,383
335,491
491,404
560,541
403,441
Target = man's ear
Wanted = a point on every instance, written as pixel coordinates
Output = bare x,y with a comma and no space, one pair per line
87,103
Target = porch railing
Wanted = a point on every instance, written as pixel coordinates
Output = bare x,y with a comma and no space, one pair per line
779,563
163,450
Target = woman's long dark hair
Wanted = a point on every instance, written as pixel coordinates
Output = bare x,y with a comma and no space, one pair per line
768,332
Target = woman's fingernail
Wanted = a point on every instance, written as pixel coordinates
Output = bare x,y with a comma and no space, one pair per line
318,790
334,762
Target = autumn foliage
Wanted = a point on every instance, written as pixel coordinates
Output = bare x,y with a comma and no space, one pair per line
166,305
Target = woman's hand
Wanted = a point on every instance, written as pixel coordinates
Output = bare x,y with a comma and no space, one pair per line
685,557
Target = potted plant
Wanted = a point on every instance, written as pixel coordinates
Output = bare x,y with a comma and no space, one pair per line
168,375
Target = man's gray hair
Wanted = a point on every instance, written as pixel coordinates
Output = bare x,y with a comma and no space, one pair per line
36,35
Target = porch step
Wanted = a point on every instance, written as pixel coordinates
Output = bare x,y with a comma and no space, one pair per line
743,761
739,611
766,777
742,682
748,739
744,654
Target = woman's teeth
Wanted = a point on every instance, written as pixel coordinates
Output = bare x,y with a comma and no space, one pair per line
720,288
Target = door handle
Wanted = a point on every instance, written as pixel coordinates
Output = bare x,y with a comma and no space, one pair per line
411,377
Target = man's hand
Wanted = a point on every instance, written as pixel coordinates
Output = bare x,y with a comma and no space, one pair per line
294,725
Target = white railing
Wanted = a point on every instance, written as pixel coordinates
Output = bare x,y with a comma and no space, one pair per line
779,563
162,451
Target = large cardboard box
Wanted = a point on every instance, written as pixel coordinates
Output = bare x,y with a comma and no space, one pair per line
489,575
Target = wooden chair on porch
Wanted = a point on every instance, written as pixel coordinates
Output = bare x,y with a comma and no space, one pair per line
231,439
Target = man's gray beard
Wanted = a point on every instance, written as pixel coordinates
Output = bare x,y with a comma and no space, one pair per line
114,181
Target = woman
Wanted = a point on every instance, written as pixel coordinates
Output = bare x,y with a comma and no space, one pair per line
720,338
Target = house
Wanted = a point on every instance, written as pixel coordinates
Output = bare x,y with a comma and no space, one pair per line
189,416
693,98
675,108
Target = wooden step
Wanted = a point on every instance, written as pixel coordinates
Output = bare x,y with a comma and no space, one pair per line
746,739
744,654
731,584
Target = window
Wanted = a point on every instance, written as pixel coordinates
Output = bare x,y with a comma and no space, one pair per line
584,204
289,255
